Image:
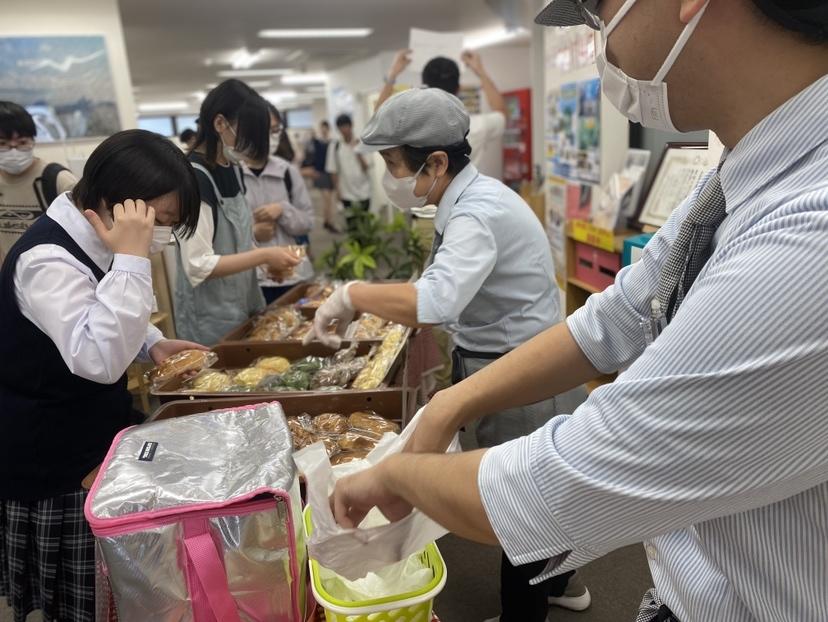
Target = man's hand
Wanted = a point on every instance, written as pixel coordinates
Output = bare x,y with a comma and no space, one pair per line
401,62
472,61
356,495
165,348
264,231
338,307
268,213
131,232
437,426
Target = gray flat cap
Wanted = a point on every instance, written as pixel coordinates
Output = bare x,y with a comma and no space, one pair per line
568,13
419,118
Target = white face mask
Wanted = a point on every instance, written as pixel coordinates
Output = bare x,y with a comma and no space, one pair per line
161,238
400,190
15,161
641,101
230,153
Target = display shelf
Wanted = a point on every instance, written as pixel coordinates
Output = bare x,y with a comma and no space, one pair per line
582,285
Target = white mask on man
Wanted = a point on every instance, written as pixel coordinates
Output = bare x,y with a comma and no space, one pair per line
400,190
641,101
15,161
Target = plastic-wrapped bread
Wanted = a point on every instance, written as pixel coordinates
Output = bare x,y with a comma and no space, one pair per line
358,440
372,422
273,364
331,423
184,362
210,381
250,377
344,457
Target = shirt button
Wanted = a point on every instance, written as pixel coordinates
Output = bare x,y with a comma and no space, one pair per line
651,551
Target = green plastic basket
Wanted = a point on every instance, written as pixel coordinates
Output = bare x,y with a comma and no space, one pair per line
411,607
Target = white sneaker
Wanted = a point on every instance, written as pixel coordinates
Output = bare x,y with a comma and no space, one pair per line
575,598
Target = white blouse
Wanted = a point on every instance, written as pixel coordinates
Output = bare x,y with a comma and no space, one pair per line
99,328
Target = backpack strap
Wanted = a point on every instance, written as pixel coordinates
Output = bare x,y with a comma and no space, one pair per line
289,185
45,186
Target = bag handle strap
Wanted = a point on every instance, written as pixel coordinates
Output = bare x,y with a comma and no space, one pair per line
206,576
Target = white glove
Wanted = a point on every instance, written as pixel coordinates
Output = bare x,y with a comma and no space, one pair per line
337,307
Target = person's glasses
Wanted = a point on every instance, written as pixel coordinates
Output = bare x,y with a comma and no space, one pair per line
589,11
23,144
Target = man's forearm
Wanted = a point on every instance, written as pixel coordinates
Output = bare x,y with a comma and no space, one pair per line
386,92
396,302
444,488
547,365
493,96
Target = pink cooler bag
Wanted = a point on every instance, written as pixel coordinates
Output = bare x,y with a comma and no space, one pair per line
199,519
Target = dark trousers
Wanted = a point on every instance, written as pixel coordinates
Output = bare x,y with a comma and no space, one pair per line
519,601
272,293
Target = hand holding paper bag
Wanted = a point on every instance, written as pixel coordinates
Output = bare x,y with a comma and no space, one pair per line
376,543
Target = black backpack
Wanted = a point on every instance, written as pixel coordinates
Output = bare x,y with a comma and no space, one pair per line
45,186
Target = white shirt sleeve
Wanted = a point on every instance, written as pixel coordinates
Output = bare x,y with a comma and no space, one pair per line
98,328
330,161
154,335
197,255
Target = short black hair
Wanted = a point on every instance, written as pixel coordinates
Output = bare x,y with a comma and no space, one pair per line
344,119
137,164
442,73
458,156
806,18
235,101
325,124
274,111
15,119
187,135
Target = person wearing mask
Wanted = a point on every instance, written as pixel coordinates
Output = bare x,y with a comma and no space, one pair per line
282,209
217,286
710,445
316,157
490,282
75,304
349,171
486,129
187,139
28,184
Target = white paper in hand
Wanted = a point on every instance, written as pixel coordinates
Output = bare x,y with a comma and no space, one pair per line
376,544
428,44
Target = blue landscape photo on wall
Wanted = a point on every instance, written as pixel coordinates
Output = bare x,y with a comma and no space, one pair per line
64,82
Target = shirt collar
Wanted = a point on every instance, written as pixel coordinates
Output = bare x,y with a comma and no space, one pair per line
458,185
782,138
72,220
275,167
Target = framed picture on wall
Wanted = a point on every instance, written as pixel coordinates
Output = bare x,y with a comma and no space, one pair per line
64,82
682,166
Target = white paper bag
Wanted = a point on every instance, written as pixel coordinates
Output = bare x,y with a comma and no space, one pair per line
376,544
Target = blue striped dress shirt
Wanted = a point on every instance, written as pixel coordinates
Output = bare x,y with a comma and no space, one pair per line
712,445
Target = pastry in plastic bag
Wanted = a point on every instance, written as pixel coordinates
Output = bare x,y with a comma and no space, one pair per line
250,377
273,364
358,440
370,327
338,374
276,324
211,382
186,361
371,421
330,443
375,371
331,423
344,457
294,380
309,364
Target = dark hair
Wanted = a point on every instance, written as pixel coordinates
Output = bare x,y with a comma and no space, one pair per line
344,119
458,156
137,164
187,135
235,101
805,18
325,124
14,119
442,73
275,113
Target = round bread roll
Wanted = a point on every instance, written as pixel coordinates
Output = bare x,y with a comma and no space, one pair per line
211,382
274,364
358,440
251,376
331,423
177,364
372,422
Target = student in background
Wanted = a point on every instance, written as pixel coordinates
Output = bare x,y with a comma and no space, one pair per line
316,157
282,209
187,138
217,287
75,303
486,129
349,170
27,184
282,146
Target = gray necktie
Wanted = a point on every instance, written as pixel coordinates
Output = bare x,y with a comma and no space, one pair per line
691,248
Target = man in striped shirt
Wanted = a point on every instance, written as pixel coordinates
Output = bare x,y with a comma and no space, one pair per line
712,446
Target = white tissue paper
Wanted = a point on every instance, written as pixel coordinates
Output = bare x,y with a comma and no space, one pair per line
407,576
376,544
